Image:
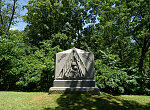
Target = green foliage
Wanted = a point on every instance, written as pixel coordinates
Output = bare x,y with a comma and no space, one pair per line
10,51
25,67
121,42
124,27
111,79
115,81
118,35
47,19
108,58
62,40
9,12
34,67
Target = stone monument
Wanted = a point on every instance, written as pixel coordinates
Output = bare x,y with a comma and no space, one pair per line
74,72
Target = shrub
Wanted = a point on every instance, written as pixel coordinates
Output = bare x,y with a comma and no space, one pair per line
114,80
25,67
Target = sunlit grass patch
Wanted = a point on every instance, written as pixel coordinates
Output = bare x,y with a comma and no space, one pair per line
144,100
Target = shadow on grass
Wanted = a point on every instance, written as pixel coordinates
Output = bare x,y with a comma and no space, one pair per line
95,102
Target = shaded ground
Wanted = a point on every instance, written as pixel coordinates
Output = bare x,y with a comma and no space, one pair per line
95,102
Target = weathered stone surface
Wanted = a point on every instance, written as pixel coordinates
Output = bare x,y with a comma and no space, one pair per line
74,64
74,72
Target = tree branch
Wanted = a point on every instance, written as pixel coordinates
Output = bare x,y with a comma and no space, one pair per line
12,16
1,18
137,42
147,40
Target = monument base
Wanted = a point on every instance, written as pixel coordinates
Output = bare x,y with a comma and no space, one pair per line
74,90
74,83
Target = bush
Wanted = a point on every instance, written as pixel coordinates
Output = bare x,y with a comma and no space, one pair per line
109,80
11,50
25,67
114,80
38,68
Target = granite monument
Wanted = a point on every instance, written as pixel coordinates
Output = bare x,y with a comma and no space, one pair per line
74,72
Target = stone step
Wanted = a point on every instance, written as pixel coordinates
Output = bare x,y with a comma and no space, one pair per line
74,90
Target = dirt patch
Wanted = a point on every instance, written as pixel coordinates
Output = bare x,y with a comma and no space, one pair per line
42,99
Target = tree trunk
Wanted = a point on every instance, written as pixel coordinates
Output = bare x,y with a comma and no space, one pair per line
149,62
141,62
1,17
12,15
145,48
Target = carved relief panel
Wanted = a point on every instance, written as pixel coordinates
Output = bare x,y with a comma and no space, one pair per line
74,64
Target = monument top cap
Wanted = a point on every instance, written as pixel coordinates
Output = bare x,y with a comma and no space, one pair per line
70,50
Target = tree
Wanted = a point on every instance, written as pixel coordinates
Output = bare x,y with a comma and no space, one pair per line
47,18
140,28
124,28
7,15
23,66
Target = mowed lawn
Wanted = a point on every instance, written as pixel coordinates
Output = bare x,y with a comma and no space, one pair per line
43,101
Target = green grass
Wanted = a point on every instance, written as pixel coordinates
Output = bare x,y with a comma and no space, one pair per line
43,101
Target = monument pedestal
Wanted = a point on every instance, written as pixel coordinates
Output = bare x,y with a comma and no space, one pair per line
74,90
74,83
74,86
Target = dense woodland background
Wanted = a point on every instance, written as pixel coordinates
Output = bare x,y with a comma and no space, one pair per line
117,32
